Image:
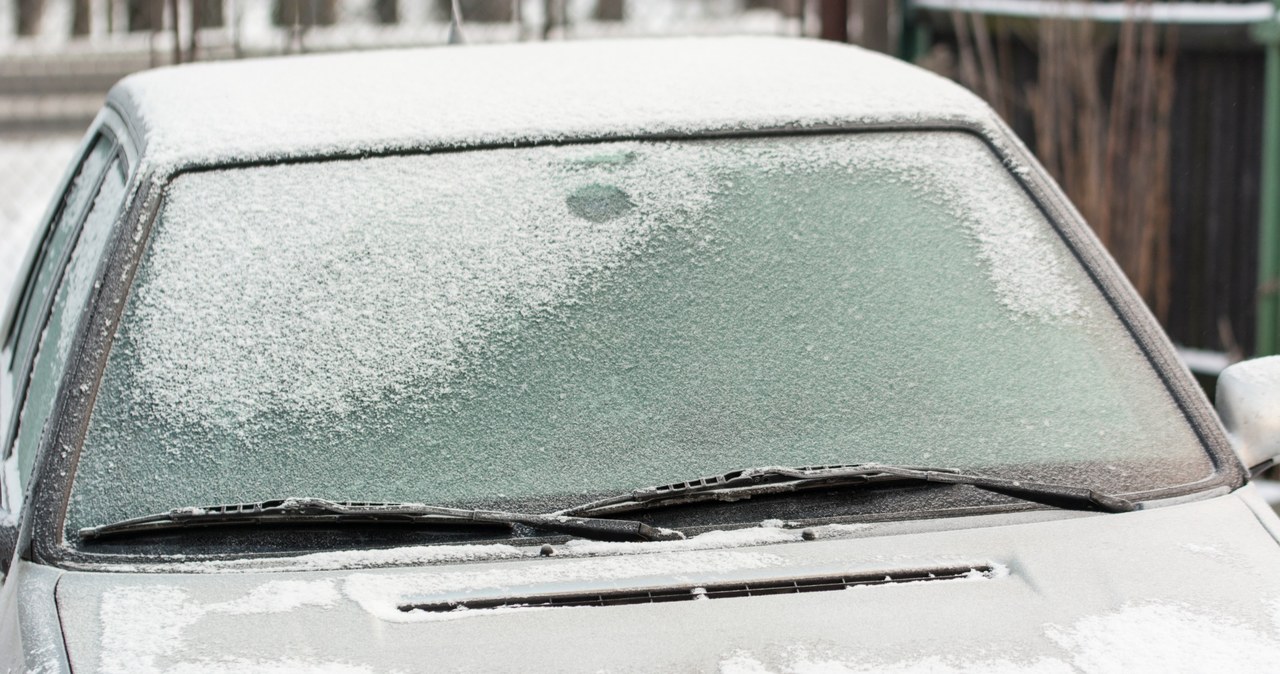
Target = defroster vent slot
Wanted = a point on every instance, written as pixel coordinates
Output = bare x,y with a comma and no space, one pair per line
693,592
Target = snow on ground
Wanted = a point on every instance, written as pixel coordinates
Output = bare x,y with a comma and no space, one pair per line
30,168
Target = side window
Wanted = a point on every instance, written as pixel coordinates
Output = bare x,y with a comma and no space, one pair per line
52,256
24,331
71,286
49,261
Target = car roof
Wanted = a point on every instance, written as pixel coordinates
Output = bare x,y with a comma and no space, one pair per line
264,109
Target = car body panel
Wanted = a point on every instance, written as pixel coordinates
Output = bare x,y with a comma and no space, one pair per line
30,633
1202,562
255,110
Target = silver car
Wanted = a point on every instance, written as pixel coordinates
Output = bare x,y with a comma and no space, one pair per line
731,355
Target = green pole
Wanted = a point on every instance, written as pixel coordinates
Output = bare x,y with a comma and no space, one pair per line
1268,294
906,31
914,36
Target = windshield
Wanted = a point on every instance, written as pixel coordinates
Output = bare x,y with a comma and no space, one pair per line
536,326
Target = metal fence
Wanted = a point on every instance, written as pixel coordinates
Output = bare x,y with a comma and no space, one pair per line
30,167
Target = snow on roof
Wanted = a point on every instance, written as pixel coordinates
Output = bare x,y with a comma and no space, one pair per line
261,109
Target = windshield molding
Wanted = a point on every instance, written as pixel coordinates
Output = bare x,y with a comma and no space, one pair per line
43,529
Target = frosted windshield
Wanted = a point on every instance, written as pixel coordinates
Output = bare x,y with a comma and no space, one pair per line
538,325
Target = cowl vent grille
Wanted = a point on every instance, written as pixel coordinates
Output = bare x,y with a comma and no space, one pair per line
724,590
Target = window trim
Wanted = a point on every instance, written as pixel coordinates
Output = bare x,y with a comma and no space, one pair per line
107,127
59,268
22,362
31,262
109,122
48,545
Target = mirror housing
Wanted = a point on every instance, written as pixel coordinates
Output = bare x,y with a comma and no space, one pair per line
1248,401
8,541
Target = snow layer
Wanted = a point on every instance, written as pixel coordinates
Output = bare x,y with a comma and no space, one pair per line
495,94
289,281
381,594
144,625
414,555
1166,638
423,555
1262,374
224,331
769,532
1023,261
290,318
275,666
417,555
801,661
1140,637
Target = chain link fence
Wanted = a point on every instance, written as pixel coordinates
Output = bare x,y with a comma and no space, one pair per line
30,167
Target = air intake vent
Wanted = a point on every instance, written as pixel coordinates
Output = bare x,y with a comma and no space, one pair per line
668,593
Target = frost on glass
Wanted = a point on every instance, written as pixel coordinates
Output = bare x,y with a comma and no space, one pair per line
79,192
538,325
53,357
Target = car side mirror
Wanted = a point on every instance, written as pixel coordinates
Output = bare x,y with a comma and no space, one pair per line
1248,401
8,541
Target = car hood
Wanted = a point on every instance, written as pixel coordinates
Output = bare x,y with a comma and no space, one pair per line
1156,590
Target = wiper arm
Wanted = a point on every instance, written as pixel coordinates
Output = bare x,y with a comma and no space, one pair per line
321,511
744,484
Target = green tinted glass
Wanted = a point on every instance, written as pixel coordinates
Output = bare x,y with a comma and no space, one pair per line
539,325
62,234
69,306
50,260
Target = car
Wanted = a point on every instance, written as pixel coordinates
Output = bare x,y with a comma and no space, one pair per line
732,354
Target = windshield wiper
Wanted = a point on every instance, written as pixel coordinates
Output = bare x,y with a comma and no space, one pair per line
746,483
320,511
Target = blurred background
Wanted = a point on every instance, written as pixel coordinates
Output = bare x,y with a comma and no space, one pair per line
1160,120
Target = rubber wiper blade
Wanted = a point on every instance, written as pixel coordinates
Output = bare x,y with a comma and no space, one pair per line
749,482
321,511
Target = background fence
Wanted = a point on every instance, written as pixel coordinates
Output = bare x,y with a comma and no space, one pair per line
1155,132
30,166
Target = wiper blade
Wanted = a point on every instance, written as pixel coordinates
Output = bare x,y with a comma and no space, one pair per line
321,511
746,483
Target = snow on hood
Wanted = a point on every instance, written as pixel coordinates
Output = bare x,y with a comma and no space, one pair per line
1091,593
1137,637
502,93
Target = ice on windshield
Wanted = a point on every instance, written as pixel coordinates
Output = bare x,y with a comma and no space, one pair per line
511,325
320,287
